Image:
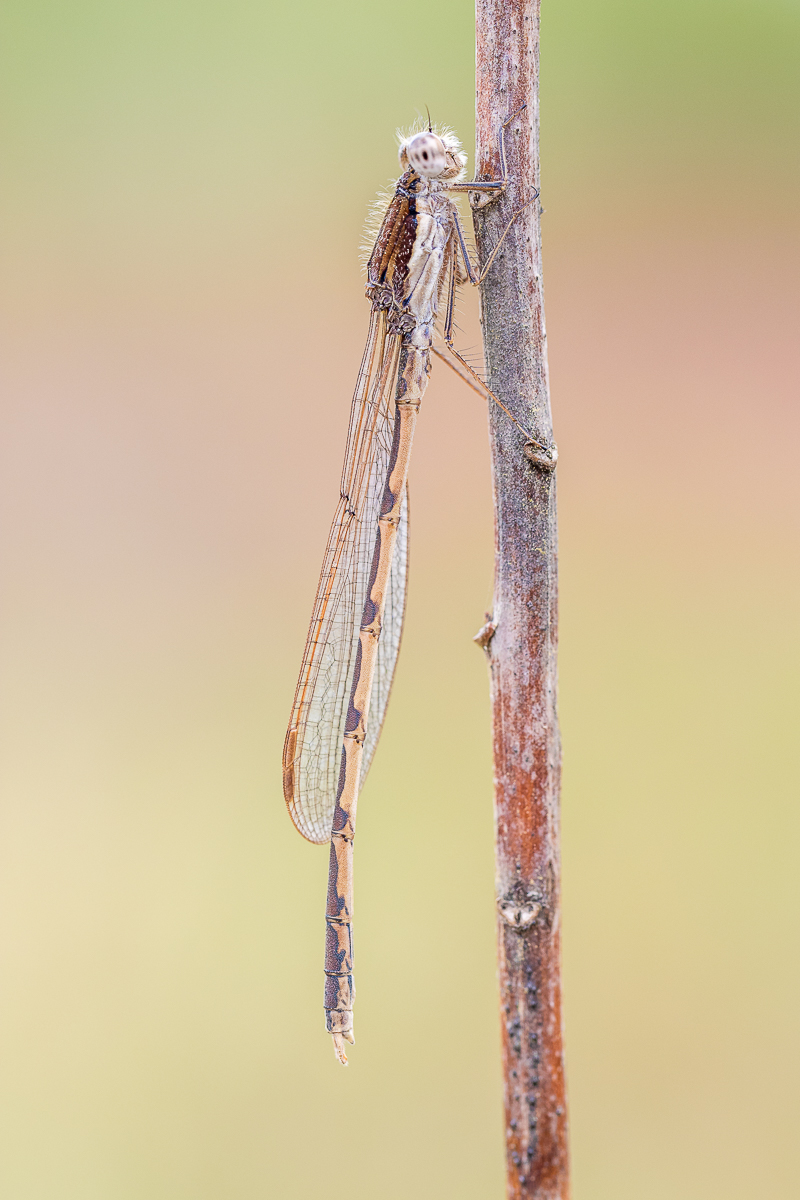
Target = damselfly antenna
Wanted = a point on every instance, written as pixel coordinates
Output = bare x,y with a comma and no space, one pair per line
430,123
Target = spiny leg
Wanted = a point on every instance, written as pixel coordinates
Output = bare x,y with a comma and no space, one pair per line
497,187
494,186
477,276
535,451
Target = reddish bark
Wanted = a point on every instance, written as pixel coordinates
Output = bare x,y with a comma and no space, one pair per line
522,648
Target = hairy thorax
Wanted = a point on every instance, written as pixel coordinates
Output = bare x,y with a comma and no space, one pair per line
427,266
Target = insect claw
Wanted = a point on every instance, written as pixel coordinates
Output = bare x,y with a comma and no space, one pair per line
541,456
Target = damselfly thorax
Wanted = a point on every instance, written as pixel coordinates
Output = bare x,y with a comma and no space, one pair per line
418,260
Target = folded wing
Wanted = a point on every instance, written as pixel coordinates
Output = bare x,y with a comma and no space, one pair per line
312,750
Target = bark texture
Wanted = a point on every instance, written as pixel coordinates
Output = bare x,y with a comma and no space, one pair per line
521,638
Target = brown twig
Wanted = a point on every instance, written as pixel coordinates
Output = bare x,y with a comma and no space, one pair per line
521,647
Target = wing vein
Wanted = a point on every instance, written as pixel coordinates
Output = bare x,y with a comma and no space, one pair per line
313,743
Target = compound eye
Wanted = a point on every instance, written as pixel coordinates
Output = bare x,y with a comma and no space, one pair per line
427,155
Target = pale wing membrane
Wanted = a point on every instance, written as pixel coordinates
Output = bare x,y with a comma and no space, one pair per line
389,643
313,746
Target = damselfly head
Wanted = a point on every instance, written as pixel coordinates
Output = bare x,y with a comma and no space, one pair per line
433,154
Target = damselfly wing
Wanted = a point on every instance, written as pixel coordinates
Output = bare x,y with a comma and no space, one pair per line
313,747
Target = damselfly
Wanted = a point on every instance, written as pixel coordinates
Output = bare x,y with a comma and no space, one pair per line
418,261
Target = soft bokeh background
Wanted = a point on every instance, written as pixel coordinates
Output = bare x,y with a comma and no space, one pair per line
183,317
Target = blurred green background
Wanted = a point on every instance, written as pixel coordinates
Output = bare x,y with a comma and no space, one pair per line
185,185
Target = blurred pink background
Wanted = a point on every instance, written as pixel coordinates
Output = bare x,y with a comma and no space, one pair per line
182,322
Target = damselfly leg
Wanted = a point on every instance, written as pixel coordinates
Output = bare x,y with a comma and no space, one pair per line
491,187
536,451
